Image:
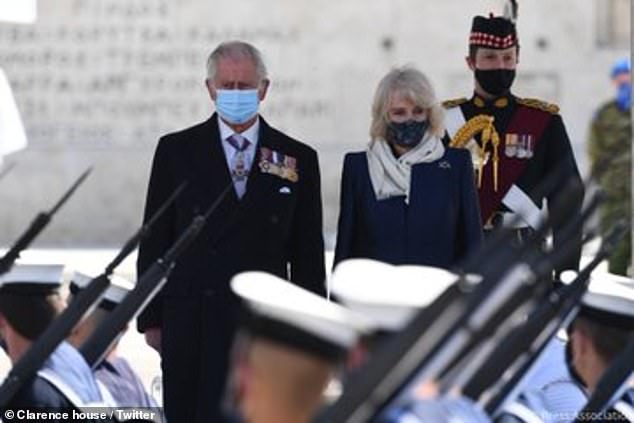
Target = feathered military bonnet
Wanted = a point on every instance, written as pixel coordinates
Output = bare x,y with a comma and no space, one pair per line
493,32
497,32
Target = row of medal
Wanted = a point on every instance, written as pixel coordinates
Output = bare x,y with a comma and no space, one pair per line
519,146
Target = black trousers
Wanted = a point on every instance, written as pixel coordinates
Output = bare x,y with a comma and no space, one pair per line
197,334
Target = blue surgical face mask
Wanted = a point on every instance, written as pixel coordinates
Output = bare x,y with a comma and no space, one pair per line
237,106
624,96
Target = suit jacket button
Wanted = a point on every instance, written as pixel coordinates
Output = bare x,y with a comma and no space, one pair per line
213,251
274,219
208,292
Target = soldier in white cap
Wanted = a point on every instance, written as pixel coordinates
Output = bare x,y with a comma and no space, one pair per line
599,333
289,347
391,296
551,387
388,295
114,371
29,302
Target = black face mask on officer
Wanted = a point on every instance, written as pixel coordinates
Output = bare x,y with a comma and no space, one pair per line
495,81
407,134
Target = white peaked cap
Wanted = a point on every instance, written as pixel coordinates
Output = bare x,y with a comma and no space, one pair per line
115,293
390,295
32,279
287,313
609,300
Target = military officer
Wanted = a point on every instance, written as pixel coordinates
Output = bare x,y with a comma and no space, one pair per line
611,137
391,296
114,372
600,332
288,348
29,302
515,142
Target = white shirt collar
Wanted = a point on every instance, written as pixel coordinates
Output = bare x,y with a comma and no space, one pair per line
250,134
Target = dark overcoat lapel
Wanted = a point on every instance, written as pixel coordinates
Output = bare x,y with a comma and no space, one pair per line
211,165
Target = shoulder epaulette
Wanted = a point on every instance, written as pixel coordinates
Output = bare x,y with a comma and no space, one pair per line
448,104
539,104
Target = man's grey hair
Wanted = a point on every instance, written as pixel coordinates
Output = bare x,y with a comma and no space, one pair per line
235,50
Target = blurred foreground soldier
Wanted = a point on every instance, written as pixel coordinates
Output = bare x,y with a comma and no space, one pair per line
390,296
386,294
611,139
599,333
290,345
515,142
270,221
29,302
114,371
551,388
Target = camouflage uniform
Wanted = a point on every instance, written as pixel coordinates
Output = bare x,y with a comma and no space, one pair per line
611,137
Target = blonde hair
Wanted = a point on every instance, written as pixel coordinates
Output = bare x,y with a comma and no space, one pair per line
413,85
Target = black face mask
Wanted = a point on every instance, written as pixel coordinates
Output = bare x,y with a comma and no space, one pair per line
407,134
495,81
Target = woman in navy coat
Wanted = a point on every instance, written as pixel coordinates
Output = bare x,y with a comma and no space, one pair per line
407,199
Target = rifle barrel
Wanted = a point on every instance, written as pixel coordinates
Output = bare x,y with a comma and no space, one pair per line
37,225
148,285
59,329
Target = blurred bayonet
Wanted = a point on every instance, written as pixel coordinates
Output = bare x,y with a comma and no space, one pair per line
148,285
38,224
432,340
33,359
517,354
143,231
525,296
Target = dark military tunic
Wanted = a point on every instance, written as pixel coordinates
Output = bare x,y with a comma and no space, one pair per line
533,143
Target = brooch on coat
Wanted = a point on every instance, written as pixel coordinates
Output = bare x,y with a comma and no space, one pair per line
278,164
444,165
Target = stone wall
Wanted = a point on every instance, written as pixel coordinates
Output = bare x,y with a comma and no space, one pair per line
97,82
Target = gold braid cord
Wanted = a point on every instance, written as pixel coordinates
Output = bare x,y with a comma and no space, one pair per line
475,125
